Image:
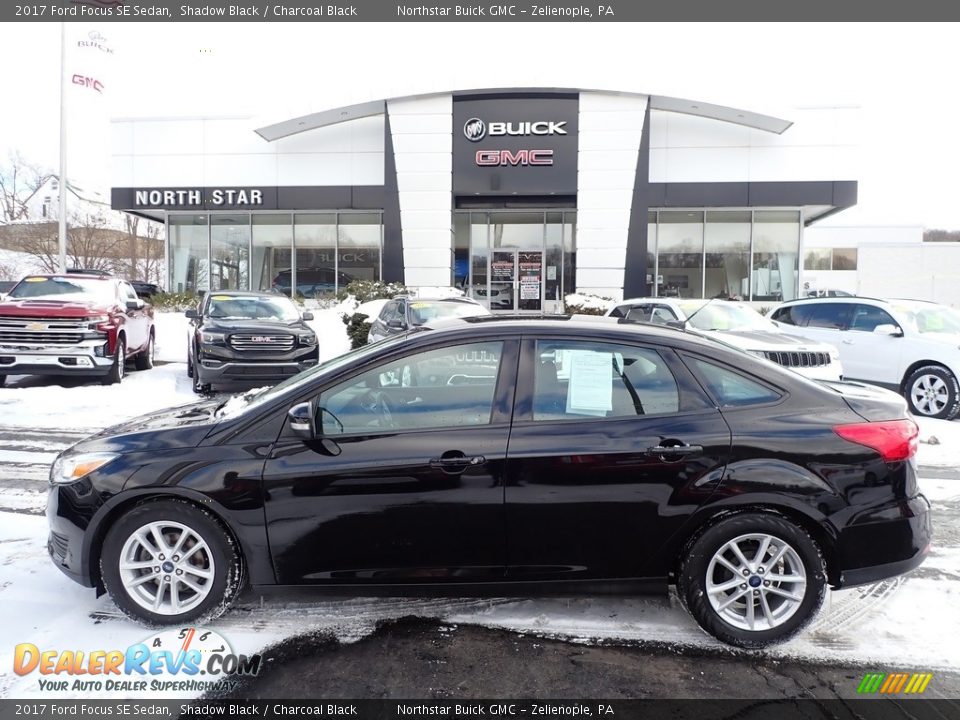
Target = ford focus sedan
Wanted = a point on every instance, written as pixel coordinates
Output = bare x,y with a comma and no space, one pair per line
515,457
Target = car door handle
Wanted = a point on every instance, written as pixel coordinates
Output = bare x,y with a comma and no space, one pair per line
448,462
674,450
847,342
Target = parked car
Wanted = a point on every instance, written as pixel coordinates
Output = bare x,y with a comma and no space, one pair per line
741,326
146,290
406,312
495,298
908,346
311,281
247,338
74,325
584,455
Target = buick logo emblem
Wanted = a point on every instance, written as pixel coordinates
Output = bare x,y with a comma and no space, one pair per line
474,129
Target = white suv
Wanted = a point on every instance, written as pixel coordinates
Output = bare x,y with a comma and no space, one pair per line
910,346
739,325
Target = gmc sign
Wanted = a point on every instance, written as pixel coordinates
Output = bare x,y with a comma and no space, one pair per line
492,158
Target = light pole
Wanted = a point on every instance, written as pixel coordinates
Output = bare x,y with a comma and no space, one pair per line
62,213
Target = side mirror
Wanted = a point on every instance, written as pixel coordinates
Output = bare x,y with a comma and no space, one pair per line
134,304
307,316
888,329
302,421
191,314
396,324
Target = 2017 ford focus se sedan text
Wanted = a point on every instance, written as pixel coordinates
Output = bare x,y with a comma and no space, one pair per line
506,456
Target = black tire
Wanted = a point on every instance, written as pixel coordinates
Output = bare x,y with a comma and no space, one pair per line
692,579
200,387
3,380
189,365
228,570
932,391
144,360
118,368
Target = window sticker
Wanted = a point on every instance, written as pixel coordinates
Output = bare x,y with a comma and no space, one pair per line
221,298
34,279
591,382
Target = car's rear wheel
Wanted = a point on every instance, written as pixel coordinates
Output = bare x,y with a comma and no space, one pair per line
170,562
119,364
753,579
932,391
145,358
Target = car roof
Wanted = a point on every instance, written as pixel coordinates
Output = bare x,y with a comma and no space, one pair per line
837,299
415,298
73,275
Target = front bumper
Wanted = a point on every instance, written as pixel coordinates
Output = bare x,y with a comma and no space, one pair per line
69,510
883,542
87,358
236,371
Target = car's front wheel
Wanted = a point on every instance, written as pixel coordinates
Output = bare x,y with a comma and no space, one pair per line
119,364
753,579
932,391
170,562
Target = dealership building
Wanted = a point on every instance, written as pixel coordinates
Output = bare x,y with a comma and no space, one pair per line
519,196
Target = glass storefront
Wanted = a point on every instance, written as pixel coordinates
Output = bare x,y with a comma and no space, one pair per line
306,254
516,260
736,254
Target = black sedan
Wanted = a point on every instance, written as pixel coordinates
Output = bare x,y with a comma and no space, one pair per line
247,338
506,456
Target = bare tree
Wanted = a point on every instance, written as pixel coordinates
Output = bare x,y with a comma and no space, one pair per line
18,181
90,243
145,254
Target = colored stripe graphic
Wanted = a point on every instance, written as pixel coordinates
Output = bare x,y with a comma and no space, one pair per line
894,683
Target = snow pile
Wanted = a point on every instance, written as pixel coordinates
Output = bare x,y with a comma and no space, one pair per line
173,333
589,302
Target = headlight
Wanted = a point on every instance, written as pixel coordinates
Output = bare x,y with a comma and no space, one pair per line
211,337
74,467
308,339
98,318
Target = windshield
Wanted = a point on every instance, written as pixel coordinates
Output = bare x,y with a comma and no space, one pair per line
726,316
232,307
929,318
423,312
292,385
65,288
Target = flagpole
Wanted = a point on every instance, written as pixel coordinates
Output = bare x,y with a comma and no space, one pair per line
62,230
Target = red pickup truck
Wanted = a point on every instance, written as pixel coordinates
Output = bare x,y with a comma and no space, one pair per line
74,325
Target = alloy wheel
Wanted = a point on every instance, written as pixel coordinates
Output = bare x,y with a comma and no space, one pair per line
756,582
930,394
166,567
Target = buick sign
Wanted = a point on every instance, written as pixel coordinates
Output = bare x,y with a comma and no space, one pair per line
474,129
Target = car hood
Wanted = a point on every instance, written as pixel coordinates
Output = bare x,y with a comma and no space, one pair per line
868,401
254,326
183,426
772,341
44,307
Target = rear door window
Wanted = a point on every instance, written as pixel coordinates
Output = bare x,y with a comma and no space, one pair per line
830,316
730,388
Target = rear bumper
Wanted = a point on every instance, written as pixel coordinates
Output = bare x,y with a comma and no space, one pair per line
883,542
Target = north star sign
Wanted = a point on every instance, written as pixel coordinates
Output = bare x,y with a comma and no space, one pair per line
195,197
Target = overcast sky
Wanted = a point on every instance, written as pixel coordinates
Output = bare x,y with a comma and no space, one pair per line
902,77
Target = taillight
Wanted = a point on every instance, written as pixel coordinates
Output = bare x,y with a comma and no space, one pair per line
895,440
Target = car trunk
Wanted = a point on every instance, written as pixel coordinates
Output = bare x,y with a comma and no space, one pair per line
869,402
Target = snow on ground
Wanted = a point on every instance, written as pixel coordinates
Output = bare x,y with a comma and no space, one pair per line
939,442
